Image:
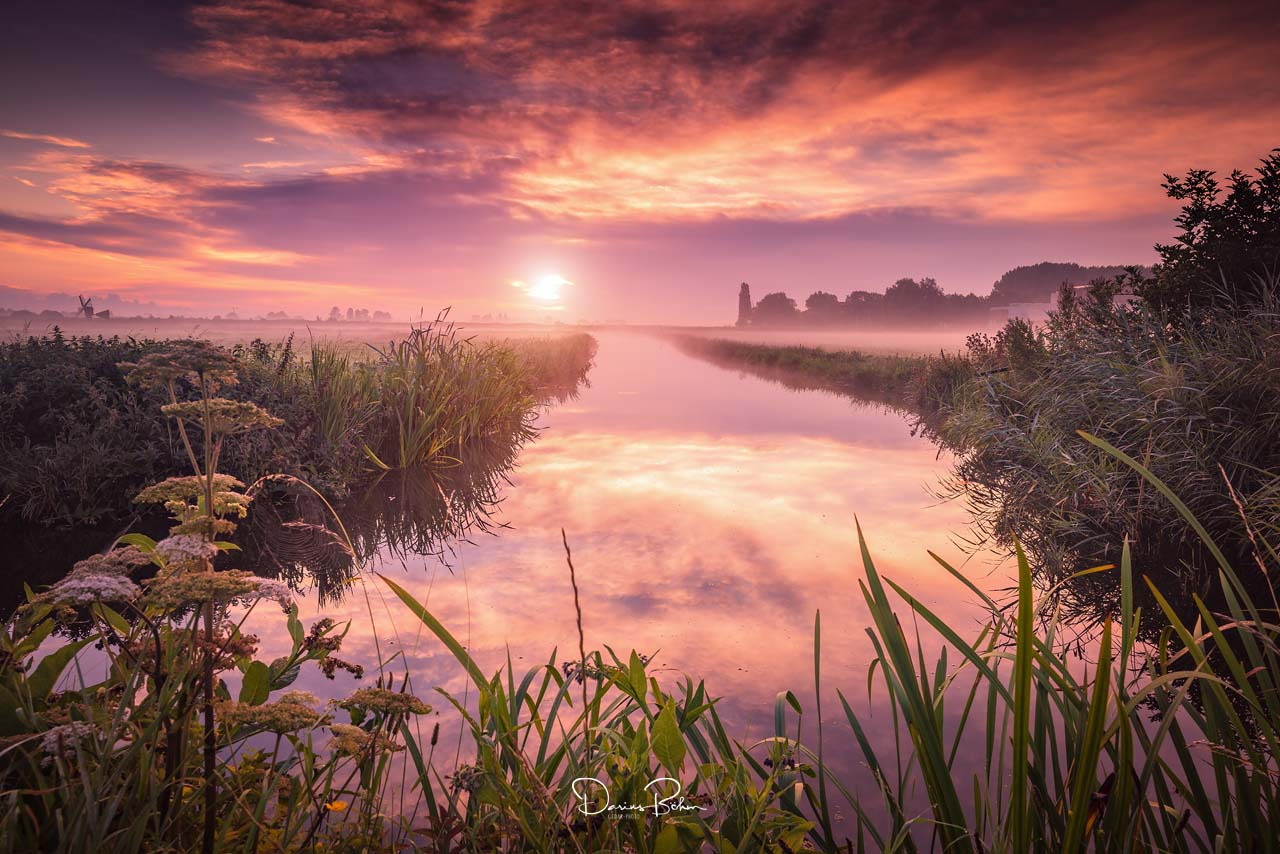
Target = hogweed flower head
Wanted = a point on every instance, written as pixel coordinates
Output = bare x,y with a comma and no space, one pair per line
186,550
98,578
88,589
62,740
223,415
171,590
183,359
293,711
385,701
349,740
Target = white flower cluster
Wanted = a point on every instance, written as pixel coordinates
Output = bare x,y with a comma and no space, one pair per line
62,740
87,589
273,588
183,549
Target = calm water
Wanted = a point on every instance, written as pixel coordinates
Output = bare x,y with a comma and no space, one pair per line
710,515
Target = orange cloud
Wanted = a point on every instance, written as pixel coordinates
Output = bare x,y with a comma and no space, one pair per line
62,141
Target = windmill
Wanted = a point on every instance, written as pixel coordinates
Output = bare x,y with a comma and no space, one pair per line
86,306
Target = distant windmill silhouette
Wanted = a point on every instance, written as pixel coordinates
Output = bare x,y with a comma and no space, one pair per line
86,306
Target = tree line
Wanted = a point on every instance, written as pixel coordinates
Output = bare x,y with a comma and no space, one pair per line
918,301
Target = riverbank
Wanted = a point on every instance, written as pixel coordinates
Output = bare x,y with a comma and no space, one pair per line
79,440
1183,398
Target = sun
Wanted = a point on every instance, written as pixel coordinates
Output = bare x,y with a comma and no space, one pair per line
548,288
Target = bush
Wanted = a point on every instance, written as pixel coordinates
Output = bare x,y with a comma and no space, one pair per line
1229,246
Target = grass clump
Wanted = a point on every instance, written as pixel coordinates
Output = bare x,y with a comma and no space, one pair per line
1187,400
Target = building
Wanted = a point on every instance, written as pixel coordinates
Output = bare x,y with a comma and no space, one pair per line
744,305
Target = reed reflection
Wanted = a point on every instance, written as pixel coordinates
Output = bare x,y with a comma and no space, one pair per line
296,535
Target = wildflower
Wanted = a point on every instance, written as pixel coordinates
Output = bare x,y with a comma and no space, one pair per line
336,806
186,550
228,646
204,526
318,637
171,590
120,561
98,578
183,359
331,664
180,495
385,701
62,740
223,415
353,741
467,778
87,589
295,710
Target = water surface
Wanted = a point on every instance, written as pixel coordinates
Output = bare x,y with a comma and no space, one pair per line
710,514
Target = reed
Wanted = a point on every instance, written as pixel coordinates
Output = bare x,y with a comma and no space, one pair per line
76,441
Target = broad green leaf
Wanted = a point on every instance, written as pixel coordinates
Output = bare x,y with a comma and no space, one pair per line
46,674
668,743
256,685
282,677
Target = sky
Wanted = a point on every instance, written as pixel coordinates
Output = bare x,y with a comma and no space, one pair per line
601,160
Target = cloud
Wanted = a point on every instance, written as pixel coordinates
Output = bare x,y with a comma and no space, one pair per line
61,141
793,109
435,151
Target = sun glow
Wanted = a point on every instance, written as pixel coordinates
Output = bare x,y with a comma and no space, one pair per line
549,287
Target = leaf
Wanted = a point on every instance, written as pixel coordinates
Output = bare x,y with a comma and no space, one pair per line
256,685
295,628
281,676
639,682
368,452
144,543
668,743
46,674
677,838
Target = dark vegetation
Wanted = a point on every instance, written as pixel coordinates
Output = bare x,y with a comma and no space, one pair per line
909,384
77,441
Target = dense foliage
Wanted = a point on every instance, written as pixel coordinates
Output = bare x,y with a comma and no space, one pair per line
77,440
1227,250
1191,401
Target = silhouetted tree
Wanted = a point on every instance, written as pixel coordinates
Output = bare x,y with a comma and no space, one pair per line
1039,282
909,300
822,307
1228,248
775,309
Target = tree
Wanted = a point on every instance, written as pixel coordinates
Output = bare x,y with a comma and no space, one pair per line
907,299
1039,282
335,313
774,309
822,307
1228,250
